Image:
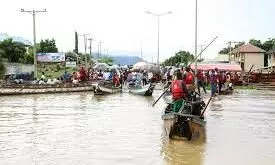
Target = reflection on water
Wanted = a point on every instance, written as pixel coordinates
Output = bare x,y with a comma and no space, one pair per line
80,128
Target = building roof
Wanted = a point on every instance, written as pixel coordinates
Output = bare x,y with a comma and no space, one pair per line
221,66
248,48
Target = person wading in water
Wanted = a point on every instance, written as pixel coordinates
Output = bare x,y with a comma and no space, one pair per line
201,82
179,92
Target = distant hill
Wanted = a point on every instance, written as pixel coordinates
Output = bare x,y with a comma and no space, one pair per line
4,36
121,59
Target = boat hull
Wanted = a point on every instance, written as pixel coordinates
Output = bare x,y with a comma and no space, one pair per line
144,91
44,89
226,92
102,90
187,123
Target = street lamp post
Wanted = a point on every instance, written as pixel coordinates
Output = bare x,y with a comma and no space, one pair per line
33,12
158,15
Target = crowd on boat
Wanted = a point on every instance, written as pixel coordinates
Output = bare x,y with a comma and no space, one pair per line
218,80
182,83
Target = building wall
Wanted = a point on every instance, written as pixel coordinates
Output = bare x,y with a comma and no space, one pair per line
253,58
17,68
271,60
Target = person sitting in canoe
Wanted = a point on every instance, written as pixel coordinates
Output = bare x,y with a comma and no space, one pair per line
82,73
179,92
116,80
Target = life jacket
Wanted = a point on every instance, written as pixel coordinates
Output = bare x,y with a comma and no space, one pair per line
189,78
177,89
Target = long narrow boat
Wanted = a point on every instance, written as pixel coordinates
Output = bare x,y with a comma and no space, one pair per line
106,87
146,90
227,91
20,89
187,123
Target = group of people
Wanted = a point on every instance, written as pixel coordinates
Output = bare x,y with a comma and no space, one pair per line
183,83
75,78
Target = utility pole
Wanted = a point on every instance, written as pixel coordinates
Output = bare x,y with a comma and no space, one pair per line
200,55
90,47
33,12
141,53
99,47
85,49
230,48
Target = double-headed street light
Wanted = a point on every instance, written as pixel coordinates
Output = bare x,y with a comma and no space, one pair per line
158,15
33,12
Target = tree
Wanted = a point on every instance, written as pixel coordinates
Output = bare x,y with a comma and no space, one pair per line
13,51
2,66
71,55
47,46
257,43
269,44
76,43
180,57
106,59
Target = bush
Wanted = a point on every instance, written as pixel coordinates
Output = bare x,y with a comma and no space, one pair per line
58,67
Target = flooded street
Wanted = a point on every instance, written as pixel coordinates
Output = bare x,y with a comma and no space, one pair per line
80,128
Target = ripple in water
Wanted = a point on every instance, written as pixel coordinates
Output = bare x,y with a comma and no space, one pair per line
81,128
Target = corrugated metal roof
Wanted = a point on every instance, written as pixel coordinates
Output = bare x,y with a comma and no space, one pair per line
221,66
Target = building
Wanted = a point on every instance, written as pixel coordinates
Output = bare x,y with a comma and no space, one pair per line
248,55
222,57
271,57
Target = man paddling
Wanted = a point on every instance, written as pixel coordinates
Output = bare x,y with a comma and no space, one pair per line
179,91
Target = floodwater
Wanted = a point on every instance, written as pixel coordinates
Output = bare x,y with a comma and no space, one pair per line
82,129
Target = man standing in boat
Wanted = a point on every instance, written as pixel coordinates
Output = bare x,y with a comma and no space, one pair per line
189,79
201,82
213,78
179,91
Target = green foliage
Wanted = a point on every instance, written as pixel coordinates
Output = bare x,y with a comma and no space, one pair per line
13,51
267,45
2,66
180,57
255,42
106,60
47,46
71,55
76,43
58,67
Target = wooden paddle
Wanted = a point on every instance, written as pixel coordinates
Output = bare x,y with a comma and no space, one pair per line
161,95
206,106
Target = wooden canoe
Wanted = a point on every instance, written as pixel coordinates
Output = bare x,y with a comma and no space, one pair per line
22,89
184,124
146,90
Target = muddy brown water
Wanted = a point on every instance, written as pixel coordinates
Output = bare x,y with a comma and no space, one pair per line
80,128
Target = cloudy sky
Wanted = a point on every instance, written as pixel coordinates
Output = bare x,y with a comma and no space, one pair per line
124,27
